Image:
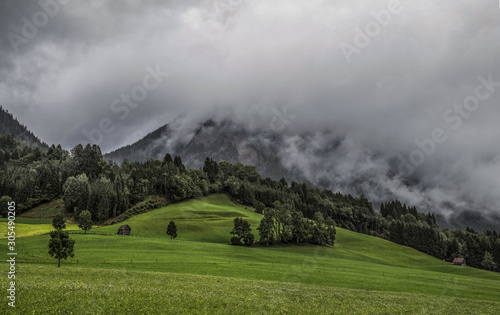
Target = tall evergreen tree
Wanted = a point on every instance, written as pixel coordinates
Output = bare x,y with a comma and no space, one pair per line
167,159
178,163
172,230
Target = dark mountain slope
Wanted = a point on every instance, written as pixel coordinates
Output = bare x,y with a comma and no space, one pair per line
323,159
221,141
11,126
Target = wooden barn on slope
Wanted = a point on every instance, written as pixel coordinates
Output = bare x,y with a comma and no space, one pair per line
124,230
459,261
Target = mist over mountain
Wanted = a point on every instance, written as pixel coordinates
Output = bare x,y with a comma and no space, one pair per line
220,140
386,98
9,125
327,159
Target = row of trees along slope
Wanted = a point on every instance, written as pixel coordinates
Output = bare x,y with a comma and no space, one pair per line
32,175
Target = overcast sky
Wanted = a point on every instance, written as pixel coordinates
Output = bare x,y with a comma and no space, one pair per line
386,73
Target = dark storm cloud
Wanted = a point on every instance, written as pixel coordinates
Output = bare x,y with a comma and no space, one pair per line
389,89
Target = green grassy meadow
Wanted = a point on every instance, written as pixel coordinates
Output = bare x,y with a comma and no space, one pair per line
31,227
199,272
208,219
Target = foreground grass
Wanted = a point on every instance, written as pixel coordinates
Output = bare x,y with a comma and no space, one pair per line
385,267
49,290
200,273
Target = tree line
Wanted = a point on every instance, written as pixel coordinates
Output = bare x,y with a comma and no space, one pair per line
282,224
292,212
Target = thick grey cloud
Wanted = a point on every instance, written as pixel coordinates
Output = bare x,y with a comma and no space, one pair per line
250,57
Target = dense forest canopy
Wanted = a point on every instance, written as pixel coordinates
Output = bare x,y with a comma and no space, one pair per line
293,212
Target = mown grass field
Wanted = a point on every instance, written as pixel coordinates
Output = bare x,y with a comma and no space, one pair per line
101,291
200,273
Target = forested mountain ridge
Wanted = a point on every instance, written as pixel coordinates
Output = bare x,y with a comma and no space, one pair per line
293,212
221,141
325,159
9,125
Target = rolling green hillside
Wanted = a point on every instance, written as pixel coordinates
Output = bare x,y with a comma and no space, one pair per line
31,227
45,210
359,274
208,219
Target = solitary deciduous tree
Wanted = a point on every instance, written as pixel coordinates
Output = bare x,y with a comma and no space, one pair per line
58,222
61,245
172,230
84,220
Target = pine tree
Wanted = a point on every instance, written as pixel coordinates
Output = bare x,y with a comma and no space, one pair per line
211,168
167,159
172,230
178,163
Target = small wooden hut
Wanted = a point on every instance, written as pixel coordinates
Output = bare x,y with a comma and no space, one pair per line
459,261
124,230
